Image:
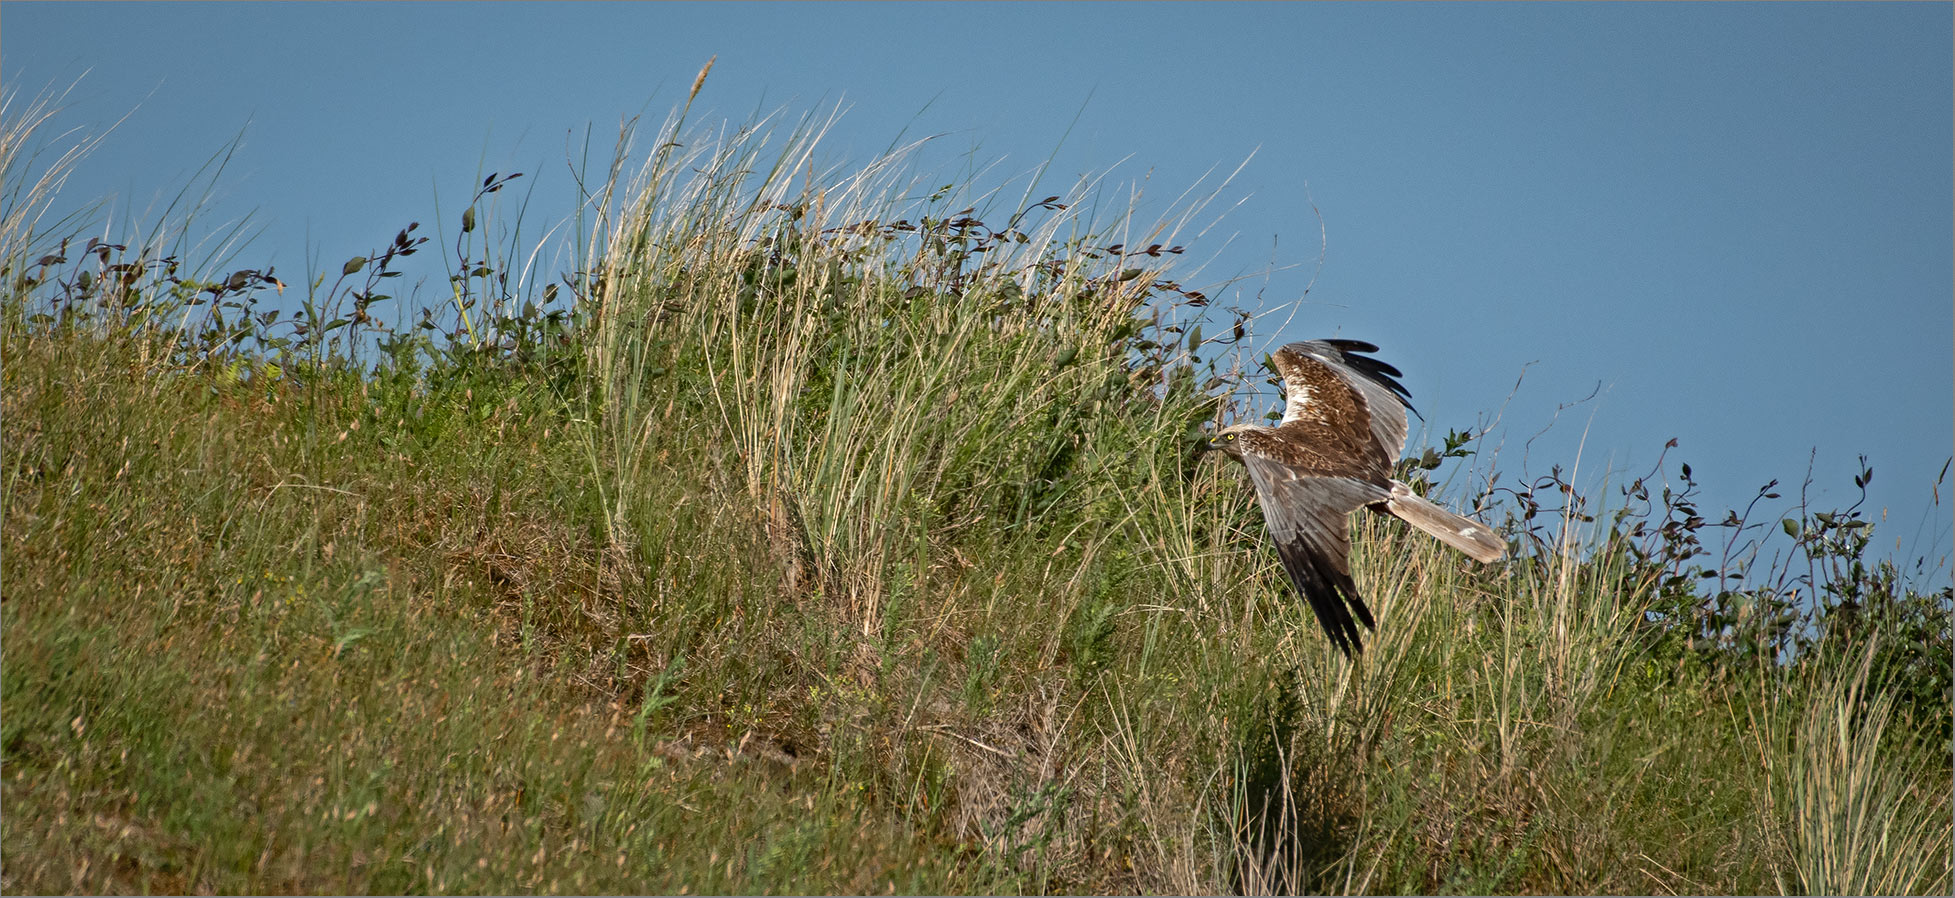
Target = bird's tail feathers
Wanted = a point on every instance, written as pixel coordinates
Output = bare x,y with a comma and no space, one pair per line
1477,540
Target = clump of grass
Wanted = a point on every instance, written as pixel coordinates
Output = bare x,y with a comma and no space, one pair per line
871,359
1861,821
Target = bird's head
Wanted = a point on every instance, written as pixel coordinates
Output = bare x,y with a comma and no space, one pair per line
1231,440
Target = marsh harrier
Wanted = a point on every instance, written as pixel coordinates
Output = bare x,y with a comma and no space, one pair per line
1343,428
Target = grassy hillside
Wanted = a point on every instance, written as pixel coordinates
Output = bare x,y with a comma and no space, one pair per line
821,535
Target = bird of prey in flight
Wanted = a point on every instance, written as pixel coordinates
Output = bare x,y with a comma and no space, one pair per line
1343,428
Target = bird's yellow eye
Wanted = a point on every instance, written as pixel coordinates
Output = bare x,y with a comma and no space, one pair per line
1228,436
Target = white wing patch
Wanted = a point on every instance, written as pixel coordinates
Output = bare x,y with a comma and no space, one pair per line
1296,395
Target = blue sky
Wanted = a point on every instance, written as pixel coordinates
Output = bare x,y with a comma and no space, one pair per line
1733,219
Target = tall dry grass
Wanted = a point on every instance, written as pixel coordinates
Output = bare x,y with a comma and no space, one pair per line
887,368
1857,817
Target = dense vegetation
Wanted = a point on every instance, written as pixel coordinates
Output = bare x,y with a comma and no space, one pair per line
815,536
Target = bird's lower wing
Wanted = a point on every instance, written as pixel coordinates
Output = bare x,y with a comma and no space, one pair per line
1307,517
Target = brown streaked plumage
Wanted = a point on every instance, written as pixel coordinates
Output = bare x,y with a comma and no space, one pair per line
1343,428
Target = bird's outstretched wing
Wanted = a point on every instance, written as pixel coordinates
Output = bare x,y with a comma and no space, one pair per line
1327,384
1306,512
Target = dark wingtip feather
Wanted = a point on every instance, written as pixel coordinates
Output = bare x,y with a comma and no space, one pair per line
1351,345
1332,596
